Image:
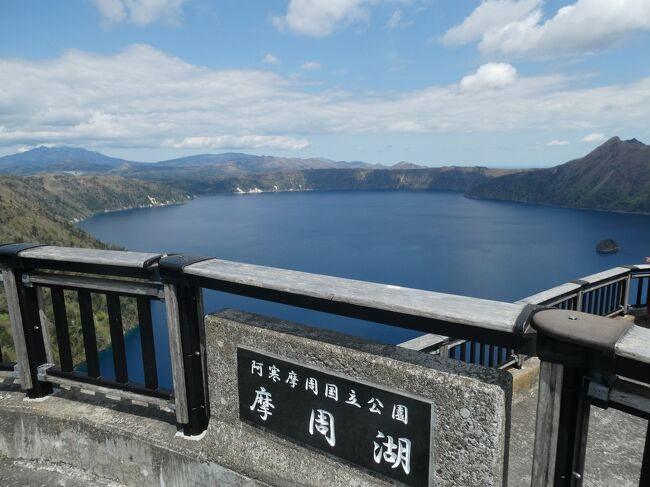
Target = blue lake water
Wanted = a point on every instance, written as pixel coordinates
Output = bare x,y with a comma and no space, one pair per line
439,241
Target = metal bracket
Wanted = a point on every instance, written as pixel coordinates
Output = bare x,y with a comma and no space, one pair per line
598,393
174,264
9,253
42,371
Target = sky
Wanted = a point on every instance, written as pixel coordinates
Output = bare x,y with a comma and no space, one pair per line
503,83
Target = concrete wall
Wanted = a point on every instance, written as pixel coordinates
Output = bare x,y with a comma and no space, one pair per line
140,446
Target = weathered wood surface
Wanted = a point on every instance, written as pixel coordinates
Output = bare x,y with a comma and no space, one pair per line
17,330
606,275
479,313
424,342
631,394
635,345
546,425
118,258
552,294
97,284
176,354
642,267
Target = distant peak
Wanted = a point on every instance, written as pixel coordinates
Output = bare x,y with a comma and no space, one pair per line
634,141
615,144
614,140
406,165
617,141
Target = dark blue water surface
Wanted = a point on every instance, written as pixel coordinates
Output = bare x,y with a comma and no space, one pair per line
438,241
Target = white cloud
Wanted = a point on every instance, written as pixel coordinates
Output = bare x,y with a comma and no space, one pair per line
319,18
490,76
311,66
249,141
491,15
557,142
270,59
518,28
140,12
595,137
142,97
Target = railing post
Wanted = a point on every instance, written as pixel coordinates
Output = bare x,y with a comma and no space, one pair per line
185,317
546,426
579,299
26,330
626,293
573,426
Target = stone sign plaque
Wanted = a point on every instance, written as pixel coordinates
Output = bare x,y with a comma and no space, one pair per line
386,432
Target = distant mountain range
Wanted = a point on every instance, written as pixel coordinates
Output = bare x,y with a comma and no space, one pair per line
82,161
615,176
58,159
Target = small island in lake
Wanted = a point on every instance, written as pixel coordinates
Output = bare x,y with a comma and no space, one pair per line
607,246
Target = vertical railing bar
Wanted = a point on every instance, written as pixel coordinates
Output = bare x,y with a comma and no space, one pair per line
592,302
601,301
625,294
45,325
117,337
572,429
482,354
622,303
17,329
639,291
62,331
546,424
147,343
579,300
176,353
608,299
88,332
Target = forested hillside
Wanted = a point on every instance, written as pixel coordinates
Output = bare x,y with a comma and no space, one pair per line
40,209
614,176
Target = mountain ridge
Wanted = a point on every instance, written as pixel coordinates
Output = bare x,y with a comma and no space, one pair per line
82,161
615,176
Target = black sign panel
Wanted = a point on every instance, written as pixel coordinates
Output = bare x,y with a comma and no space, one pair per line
382,431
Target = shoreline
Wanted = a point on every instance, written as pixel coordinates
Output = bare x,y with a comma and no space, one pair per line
76,221
257,191
548,205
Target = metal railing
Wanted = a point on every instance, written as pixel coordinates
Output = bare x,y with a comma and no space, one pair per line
587,358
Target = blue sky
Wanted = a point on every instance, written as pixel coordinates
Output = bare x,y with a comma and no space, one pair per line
506,83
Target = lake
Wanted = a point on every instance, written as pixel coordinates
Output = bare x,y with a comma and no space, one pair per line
440,241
